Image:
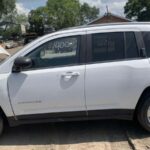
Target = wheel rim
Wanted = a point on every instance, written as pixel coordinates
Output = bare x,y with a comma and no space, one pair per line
148,114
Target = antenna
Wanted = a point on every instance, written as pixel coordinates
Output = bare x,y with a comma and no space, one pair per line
107,10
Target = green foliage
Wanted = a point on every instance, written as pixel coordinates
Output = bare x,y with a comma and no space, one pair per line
64,13
11,32
13,27
36,20
7,7
138,9
21,19
11,19
61,14
88,13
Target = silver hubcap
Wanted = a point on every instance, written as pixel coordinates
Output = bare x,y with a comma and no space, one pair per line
148,114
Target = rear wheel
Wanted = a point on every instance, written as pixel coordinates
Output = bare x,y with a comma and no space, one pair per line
144,114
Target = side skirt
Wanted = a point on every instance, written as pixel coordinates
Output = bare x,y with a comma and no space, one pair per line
122,114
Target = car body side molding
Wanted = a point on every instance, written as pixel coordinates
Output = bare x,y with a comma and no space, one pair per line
123,114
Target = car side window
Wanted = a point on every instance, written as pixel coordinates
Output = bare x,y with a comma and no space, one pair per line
146,38
58,52
107,46
131,45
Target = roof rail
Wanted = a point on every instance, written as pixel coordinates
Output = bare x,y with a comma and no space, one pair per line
107,24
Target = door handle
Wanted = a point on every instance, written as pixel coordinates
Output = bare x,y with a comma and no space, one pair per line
75,73
70,74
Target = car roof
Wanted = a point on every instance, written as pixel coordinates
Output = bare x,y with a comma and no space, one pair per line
126,25
123,26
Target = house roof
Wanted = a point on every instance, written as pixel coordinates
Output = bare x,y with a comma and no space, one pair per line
110,14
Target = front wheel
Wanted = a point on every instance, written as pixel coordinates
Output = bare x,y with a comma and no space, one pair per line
144,114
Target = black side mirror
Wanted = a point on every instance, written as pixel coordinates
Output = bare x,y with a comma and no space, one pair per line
21,63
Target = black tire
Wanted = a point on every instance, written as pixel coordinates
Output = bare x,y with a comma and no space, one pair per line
142,114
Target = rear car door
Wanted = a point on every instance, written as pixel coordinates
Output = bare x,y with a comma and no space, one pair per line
146,40
113,70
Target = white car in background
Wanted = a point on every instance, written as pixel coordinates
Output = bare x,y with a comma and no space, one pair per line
10,44
92,72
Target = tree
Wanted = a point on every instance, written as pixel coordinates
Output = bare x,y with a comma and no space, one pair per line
21,19
12,31
10,19
87,13
61,14
36,20
12,24
64,13
138,10
7,7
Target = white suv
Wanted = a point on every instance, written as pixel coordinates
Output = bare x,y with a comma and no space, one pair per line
91,72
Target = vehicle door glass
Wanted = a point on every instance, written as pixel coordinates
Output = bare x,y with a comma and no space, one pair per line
131,45
107,46
58,52
146,38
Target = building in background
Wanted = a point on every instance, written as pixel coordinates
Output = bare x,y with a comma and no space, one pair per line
109,18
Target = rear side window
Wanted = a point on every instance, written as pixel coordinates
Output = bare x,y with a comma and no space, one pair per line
131,45
107,46
146,38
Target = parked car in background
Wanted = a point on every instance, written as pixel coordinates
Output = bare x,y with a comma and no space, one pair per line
10,44
92,72
29,37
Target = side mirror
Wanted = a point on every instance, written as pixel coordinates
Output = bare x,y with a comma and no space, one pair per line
21,63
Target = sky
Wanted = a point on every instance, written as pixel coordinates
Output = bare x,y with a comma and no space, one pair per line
114,6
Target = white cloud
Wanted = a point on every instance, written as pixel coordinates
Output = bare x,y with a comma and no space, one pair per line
117,7
96,3
21,9
114,6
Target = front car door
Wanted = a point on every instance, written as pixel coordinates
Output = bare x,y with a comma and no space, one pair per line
54,85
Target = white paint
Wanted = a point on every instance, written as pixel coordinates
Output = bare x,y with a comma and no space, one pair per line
47,90
115,85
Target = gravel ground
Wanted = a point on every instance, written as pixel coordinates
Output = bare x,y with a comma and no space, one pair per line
89,135
14,50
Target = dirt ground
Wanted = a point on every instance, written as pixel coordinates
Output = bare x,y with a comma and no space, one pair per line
88,135
11,51
14,50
